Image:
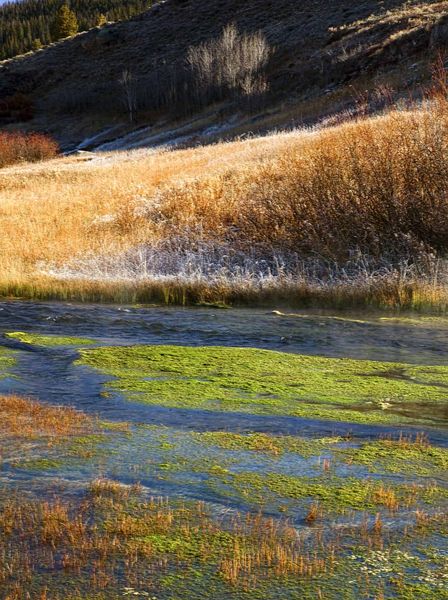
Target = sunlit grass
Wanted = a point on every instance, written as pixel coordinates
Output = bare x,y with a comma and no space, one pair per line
351,215
25,418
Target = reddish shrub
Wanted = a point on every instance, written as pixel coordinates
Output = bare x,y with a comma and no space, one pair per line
25,147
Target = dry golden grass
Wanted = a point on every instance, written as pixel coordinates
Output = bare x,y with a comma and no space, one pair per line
48,210
24,418
373,187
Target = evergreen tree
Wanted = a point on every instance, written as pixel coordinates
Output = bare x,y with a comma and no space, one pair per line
36,44
66,23
102,20
24,22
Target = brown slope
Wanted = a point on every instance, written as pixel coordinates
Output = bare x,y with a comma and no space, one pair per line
321,47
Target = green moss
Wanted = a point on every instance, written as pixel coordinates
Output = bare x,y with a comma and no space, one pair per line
40,464
334,493
48,340
273,383
7,360
397,457
270,444
218,470
85,447
87,440
420,591
121,427
170,466
189,547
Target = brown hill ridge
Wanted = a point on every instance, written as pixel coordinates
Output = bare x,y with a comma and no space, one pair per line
325,56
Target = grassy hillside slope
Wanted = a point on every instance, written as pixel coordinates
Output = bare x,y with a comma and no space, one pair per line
354,214
326,57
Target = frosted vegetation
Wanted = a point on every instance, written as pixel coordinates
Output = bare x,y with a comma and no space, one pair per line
183,261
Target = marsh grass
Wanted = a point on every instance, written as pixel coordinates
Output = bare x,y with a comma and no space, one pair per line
116,537
382,291
109,540
27,419
405,454
47,340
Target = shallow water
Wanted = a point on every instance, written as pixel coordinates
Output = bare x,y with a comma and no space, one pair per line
49,374
378,337
161,451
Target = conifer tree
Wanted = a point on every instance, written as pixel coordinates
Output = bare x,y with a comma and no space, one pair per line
66,23
23,23
102,20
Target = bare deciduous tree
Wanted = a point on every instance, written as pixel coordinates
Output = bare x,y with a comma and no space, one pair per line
127,83
233,63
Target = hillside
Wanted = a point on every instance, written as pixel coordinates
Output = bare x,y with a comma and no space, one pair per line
324,58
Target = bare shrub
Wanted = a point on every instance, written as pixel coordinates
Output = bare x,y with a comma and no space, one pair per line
23,147
229,67
373,187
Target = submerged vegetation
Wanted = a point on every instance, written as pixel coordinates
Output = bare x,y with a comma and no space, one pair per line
274,383
262,442
104,539
48,340
181,502
7,360
337,494
404,455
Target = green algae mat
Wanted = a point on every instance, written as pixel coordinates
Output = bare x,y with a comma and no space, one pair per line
7,360
267,382
36,339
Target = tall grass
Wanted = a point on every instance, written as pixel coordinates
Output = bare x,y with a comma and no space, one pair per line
375,188
351,214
